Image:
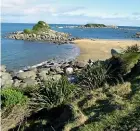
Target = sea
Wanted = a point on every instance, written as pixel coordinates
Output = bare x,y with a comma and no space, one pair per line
17,54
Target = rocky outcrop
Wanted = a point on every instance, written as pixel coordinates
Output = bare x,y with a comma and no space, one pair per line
115,52
137,35
51,36
42,32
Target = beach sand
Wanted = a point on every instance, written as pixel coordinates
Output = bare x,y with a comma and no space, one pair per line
100,49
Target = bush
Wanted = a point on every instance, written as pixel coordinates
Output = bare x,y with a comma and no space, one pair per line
11,97
27,31
41,25
123,63
95,75
54,93
128,61
133,48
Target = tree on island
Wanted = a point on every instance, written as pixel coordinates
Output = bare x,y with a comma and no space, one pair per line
40,26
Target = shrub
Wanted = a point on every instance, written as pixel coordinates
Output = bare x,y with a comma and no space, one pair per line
123,63
54,93
11,97
41,25
27,31
133,48
129,60
95,75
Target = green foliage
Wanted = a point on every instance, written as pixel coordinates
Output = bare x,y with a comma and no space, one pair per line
129,123
27,31
41,25
95,25
54,93
11,97
129,60
95,75
133,48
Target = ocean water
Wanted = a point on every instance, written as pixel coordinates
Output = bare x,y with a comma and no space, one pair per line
17,54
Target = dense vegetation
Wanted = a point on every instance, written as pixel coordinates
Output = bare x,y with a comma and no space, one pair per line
105,97
95,25
40,26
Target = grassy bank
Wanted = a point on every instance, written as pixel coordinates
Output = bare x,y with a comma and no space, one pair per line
105,96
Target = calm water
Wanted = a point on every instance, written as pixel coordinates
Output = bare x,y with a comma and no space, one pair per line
17,54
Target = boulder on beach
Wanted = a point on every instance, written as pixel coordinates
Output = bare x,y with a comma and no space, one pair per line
137,35
69,70
6,80
2,68
80,64
27,74
115,52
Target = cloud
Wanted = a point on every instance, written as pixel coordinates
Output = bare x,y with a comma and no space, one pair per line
52,12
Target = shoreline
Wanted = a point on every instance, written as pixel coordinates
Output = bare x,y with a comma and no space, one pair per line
85,56
100,49
89,49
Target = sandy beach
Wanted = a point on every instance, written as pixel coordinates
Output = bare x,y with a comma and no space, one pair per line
100,49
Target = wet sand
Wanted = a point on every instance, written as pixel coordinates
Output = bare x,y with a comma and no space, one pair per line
100,49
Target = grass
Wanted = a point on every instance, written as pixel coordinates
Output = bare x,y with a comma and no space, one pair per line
113,118
134,48
11,97
95,75
54,93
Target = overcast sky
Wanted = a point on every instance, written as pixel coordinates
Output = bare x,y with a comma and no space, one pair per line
117,12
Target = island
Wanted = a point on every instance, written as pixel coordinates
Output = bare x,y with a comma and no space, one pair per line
42,32
97,26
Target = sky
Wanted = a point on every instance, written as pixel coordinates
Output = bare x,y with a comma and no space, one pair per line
110,12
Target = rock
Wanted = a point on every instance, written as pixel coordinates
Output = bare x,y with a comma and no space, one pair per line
27,74
80,64
45,77
44,71
28,82
115,52
17,83
58,70
6,80
5,76
2,68
69,70
137,35
21,71
56,77
42,35
64,65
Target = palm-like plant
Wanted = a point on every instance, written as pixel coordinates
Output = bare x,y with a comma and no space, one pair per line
95,75
54,93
